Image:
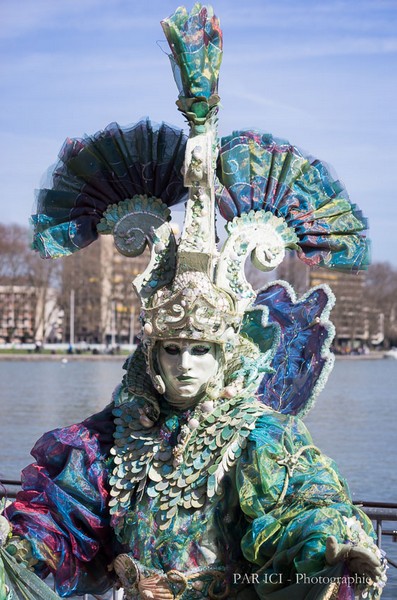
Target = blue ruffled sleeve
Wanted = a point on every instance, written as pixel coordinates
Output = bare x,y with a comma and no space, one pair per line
62,510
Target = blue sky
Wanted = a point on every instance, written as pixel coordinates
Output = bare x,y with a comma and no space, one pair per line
320,73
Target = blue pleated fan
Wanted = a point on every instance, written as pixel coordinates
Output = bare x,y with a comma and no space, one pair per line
106,168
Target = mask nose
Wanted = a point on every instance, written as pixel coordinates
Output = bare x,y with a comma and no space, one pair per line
185,362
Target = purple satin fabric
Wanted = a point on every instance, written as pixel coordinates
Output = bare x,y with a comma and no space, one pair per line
62,509
300,360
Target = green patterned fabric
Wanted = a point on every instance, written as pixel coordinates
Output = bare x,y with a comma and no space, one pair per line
195,39
253,496
287,531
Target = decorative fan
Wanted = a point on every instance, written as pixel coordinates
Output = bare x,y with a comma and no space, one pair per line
103,170
258,172
16,581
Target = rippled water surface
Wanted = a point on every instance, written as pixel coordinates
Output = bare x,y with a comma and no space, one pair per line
354,419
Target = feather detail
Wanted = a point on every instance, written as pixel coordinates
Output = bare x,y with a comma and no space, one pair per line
227,462
195,40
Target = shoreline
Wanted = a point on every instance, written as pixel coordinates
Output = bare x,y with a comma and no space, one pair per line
26,356
377,355
61,357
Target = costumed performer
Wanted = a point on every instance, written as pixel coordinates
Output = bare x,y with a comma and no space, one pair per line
198,480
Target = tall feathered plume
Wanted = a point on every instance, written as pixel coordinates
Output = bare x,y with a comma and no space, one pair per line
195,40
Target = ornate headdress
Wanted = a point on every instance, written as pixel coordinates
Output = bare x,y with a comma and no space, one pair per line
123,181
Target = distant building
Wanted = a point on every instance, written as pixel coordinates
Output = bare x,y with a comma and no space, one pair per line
296,272
97,292
28,314
120,306
356,325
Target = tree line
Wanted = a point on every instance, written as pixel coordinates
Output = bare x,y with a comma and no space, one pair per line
84,273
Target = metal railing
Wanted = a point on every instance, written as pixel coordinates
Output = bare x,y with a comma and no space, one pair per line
378,512
115,595
14,484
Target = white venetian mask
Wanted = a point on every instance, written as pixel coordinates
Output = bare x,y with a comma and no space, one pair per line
186,368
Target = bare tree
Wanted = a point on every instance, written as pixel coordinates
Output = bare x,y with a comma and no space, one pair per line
44,277
14,249
81,274
27,282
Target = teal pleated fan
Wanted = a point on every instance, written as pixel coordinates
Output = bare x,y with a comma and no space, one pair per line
259,172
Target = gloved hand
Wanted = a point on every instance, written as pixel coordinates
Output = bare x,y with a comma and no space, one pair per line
17,547
4,530
4,534
358,559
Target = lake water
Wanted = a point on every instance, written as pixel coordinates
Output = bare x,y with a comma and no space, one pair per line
354,419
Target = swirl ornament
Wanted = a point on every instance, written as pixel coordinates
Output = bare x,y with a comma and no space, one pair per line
261,235
192,309
132,222
139,222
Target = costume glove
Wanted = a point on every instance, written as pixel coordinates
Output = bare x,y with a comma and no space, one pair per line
358,559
